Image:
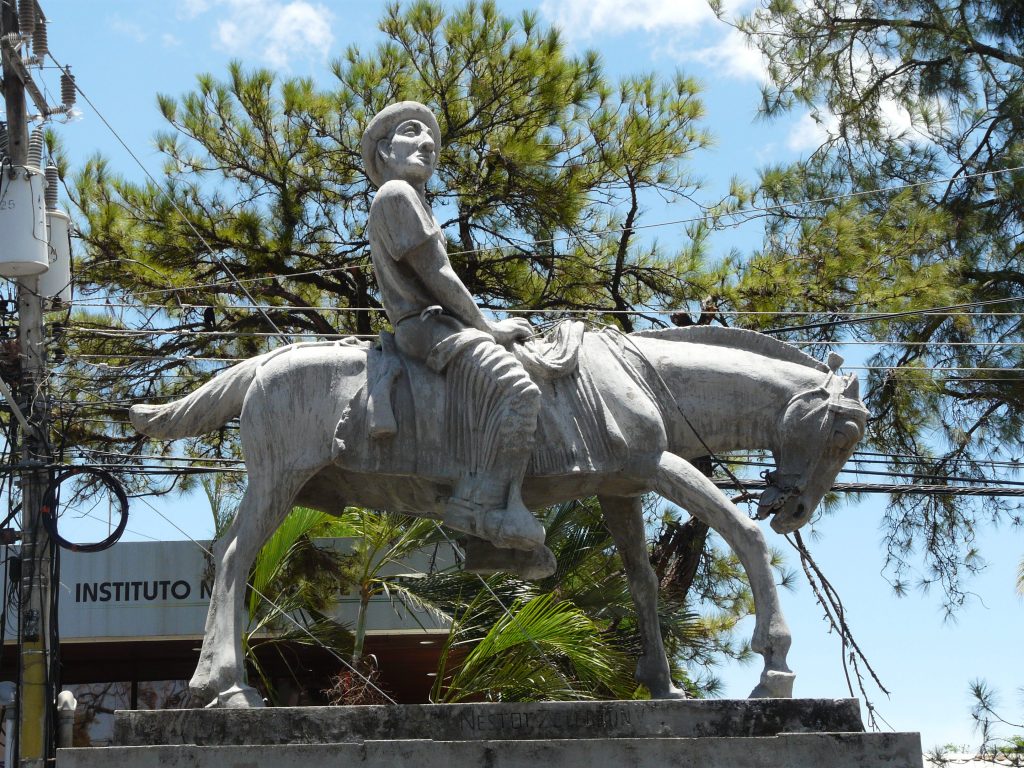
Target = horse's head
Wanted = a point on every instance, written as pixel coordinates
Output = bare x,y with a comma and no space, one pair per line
818,431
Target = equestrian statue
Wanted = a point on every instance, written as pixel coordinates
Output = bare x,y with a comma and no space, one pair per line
475,423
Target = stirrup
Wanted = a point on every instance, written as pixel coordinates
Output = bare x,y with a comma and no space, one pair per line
484,558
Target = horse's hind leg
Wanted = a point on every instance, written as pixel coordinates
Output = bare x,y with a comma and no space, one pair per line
220,675
678,481
625,520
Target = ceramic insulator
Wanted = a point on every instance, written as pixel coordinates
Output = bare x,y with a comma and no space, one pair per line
27,17
52,187
35,147
40,39
67,89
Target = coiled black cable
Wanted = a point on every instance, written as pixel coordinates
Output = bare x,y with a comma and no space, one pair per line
51,502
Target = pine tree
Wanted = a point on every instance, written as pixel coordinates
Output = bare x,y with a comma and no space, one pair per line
263,202
911,90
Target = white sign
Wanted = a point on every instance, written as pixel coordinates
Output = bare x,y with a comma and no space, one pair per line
161,590
135,589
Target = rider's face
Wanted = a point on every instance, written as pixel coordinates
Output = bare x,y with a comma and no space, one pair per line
411,153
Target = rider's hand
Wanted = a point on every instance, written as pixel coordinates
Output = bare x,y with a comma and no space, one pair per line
508,331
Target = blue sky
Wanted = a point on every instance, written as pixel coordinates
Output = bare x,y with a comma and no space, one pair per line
124,52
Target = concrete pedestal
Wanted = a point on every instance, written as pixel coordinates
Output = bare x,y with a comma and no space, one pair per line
787,733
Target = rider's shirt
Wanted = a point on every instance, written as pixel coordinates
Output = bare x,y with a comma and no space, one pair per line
399,223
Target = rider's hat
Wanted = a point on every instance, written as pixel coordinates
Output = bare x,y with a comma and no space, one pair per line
383,125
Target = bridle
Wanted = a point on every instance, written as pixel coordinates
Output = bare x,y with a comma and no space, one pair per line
835,405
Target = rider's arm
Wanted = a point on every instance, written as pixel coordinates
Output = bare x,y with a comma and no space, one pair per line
430,262
411,235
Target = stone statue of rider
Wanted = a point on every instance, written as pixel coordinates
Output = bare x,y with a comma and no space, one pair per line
437,322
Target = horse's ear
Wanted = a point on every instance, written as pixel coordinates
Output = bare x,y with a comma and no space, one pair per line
852,390
834,361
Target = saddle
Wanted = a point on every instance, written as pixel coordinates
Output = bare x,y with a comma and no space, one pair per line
397,423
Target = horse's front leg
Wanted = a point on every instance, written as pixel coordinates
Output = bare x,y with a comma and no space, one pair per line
626,523
680,482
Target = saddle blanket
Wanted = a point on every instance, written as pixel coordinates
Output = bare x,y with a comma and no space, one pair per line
576,430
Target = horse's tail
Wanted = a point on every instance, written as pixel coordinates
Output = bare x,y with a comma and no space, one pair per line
209,407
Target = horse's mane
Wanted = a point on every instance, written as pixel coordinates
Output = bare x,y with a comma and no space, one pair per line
737,338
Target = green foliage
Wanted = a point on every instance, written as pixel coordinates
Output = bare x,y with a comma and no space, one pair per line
989,721
543,161
292,585
914,90
382,545
573,635
541,649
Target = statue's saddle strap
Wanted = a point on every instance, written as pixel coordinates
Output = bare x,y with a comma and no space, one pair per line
379,411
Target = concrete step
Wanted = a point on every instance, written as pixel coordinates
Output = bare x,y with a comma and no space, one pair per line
494,722
800,750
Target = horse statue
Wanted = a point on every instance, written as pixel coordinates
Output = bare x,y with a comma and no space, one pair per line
316,424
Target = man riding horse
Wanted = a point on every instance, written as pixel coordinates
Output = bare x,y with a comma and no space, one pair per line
317,428
438,323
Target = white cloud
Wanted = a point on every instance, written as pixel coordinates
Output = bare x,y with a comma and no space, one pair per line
895,118
587,18
128,29
277,31
810,132
299,25
683,30
189,9
169,41
732,56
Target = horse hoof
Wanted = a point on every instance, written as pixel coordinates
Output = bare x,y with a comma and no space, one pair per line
237,697
669,693
652,671
774,685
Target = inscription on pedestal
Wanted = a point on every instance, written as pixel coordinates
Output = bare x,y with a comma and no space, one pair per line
489,722
572,722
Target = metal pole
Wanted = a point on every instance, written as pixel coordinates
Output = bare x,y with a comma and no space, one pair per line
35,695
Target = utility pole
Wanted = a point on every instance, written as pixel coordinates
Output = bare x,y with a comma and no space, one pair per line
36,690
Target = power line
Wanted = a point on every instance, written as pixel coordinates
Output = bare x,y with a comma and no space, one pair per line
223,265
915,489
155,457
934,478
523,244
892,315
114,333
1002,488
96,303
918,457
858,457
185,332
200,358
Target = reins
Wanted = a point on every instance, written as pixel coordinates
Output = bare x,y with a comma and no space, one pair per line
745,495
834,407
832,387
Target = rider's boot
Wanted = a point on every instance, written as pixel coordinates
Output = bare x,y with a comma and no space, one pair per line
493,509
487,501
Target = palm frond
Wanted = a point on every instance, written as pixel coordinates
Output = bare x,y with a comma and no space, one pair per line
539,648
